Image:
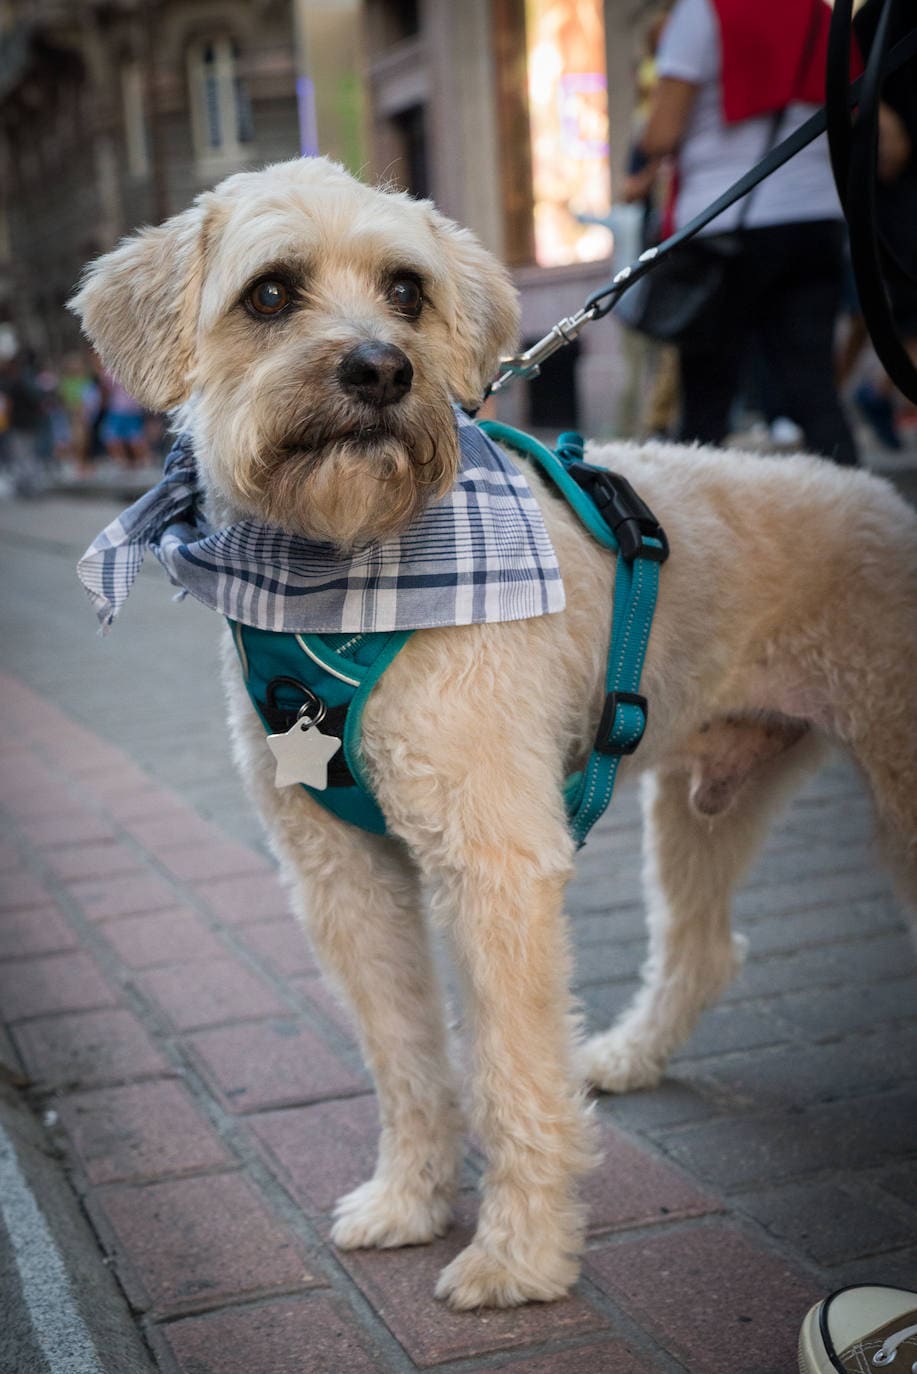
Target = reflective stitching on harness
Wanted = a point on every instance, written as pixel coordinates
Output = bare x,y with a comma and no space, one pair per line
342,677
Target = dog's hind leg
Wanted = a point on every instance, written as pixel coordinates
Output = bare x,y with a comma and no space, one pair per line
692,863
871,697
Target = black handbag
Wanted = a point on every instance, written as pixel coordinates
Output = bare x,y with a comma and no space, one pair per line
678,301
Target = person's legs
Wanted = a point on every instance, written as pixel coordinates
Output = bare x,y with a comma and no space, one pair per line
662,407
709,379
797,317
710,365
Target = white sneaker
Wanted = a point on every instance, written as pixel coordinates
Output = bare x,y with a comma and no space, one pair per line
785,433
859,1331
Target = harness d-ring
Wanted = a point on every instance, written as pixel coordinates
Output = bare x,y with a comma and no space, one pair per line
312,710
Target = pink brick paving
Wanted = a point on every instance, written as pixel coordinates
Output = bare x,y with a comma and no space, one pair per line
212,1106
676,1285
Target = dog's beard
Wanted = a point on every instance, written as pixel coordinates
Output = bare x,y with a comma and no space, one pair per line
363,486
316,463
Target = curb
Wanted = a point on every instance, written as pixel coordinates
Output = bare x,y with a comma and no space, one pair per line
63,1312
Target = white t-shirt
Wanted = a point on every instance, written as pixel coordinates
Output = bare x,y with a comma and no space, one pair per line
714,154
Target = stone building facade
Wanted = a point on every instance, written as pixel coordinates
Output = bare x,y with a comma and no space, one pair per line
116,114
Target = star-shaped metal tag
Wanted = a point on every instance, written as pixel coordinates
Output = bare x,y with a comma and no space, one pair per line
303,755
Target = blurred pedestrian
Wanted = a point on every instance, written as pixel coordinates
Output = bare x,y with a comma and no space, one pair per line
123,430
75,382
646,186
26,422
734,79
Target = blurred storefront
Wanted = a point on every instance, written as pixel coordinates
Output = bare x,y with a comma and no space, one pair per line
515,116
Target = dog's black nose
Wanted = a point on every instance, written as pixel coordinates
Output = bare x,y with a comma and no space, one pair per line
377,373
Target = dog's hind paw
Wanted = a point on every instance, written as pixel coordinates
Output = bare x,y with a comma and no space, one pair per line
617,1063
480,1277
380,1215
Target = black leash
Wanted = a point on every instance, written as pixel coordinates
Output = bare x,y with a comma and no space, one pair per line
862,153
854,157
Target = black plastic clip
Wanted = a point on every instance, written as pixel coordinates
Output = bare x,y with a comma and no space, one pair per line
605,743
630,520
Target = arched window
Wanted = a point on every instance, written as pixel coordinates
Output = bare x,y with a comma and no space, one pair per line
221,114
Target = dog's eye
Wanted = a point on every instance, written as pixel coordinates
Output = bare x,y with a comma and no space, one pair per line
406,296
268,298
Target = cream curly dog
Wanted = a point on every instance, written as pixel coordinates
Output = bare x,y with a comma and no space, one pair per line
787,616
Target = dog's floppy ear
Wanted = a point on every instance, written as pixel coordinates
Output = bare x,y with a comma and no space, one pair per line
485,310
139,307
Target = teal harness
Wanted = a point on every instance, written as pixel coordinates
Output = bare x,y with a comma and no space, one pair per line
293,679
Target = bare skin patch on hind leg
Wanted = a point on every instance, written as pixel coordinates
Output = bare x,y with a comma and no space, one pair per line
723,755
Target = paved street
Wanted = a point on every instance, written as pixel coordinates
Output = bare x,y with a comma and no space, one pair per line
208,1101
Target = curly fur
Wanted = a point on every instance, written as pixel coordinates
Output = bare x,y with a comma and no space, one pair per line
786,617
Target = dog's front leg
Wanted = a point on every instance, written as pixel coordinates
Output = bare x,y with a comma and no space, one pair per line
367,924
359,898
504,904
360,901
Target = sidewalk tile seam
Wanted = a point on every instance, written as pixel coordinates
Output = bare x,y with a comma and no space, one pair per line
188,1307
755,1231
173,1031
253,1300
510,1359
47,1092
682,1130
760,956
176,1029
275,1105
622,1326
623,1235
129,1277
648,1226
371,1333
799,1039
906,1249
86,1189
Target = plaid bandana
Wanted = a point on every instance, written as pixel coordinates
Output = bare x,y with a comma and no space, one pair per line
481,553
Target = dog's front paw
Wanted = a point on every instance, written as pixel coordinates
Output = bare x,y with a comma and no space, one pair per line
481,1277
618,1062
381,1215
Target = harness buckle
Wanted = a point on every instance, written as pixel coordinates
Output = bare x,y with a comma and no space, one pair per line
626,515
605,741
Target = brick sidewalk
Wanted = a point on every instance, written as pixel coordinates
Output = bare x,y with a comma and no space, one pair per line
211,1102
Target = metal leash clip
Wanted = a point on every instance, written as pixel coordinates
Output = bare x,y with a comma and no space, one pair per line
528,364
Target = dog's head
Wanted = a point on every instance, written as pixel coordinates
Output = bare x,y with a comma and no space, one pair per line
318,331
